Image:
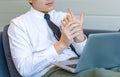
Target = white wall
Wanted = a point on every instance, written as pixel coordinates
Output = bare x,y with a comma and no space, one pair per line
10,9
99,14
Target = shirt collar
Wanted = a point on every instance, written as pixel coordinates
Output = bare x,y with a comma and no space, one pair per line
38,13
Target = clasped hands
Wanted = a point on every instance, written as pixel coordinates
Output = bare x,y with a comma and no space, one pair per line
73,28
72,31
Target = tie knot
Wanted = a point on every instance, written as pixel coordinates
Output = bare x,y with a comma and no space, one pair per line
47,16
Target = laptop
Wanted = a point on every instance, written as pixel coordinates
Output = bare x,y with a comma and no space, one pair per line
102,50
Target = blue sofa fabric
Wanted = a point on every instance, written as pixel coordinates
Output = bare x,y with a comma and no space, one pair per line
11,66
4,72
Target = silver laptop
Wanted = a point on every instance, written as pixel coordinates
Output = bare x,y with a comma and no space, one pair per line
102,50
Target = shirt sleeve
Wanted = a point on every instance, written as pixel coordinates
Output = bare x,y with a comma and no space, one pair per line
26,61
79,46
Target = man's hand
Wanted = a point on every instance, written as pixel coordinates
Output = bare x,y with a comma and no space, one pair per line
74,25
72,30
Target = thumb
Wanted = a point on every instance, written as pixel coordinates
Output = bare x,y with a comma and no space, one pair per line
63,23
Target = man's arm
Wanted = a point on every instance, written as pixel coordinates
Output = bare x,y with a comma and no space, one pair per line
72,31
26,59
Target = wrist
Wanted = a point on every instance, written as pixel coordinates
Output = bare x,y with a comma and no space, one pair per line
80,38
59,46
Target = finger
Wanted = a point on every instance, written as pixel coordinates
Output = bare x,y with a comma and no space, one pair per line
63,23
73,26
66,20
75,29
75,34
71,13
69,18
70,24
82,17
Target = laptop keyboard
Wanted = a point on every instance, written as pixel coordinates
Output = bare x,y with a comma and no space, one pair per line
72,65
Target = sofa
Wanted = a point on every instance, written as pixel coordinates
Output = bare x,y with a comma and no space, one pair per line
7,67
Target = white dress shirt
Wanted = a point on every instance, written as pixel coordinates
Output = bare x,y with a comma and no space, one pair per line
31,43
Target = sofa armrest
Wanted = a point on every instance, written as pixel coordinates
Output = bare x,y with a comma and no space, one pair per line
12,69
92,31
4,72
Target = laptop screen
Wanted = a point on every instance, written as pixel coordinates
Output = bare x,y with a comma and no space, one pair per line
102,50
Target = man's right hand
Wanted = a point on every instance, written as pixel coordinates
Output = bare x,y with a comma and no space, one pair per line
72,31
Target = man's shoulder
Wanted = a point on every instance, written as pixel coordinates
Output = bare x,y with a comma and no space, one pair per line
21,17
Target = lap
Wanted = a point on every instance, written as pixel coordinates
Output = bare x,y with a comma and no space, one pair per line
99,72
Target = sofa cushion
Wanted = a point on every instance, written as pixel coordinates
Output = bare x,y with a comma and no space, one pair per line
4,72
11,66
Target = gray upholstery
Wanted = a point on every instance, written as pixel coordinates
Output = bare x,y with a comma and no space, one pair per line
4,72
11,66
92,31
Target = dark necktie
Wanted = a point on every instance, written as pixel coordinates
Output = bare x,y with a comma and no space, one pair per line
56,31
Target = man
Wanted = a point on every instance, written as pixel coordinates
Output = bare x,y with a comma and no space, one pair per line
33,44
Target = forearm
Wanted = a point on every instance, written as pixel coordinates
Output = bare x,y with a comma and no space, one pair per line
60,46
34,63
